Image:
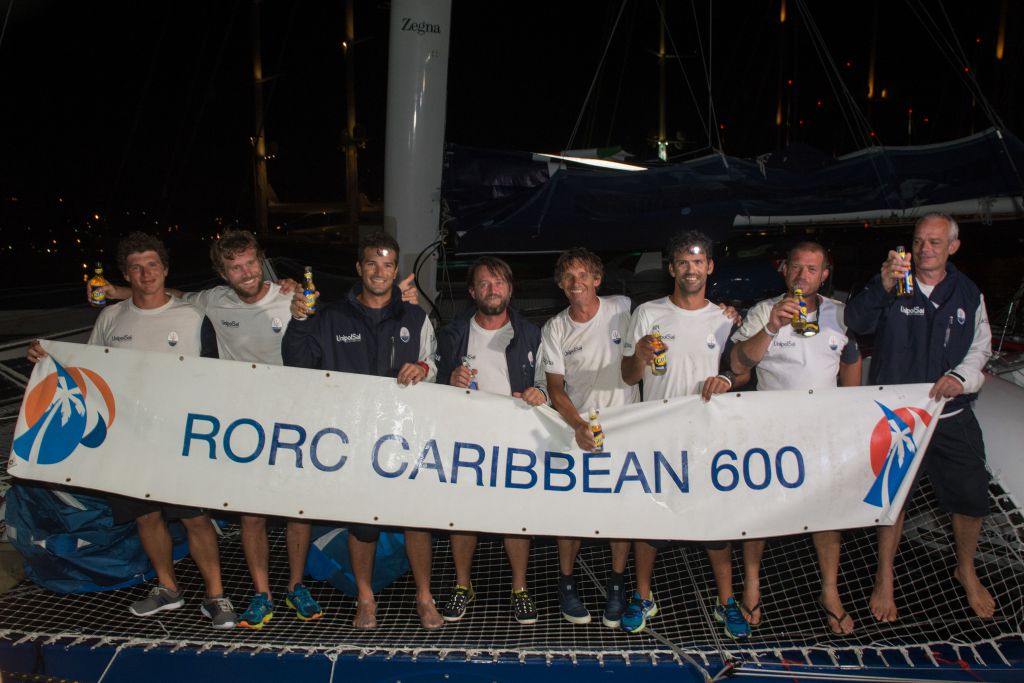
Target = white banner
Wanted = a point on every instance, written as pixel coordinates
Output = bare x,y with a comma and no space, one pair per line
310,444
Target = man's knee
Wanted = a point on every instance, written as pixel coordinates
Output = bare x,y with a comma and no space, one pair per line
253,523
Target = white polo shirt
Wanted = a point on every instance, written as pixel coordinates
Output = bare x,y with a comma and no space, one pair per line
172,328
695,340
589,355
246,332
797,362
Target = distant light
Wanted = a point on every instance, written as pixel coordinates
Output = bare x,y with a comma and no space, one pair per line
925,119
819,103
977,41
910,111
344,44
849,65
967,69
721,126
789,81
885,93
800,122
871,134
95,216
865,222
782,12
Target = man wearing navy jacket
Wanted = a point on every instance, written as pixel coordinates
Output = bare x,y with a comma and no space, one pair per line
372,332
492,346
940,334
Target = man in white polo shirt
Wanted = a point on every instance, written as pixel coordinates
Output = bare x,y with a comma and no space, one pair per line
581,352
152,320
786,359
696,333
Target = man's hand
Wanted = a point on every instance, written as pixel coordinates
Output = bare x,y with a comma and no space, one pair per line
894,268
410,294
781,315
643,350
461,377
112,292
947,387
298,308
411,373
532,395
712,386
732,314
585,437
36,352
289,286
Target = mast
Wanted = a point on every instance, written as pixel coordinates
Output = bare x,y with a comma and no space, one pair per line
414,142
350,142
259,139
662,91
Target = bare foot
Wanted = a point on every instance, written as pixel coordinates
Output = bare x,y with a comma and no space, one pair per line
883,605
430,618
978,597
839,620
366,615
750,605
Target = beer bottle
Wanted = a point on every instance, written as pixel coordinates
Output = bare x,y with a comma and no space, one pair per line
472,377
596,431
309,292
659,364
800,317
905,285
97,295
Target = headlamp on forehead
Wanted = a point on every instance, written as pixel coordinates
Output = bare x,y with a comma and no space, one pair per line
694,249
383,252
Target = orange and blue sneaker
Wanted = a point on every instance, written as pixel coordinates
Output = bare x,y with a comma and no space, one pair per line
306,608
259,612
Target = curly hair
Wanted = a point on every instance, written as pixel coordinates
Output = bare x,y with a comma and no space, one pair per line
138,242
684,241
232,243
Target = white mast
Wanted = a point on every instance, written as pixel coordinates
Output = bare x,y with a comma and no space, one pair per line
414,143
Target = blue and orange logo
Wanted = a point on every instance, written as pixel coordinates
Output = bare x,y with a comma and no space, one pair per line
893,451
68,407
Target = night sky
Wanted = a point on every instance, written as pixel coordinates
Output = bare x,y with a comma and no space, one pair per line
141,112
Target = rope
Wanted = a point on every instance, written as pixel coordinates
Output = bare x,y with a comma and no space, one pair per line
7,18
109,664
686,79
597,73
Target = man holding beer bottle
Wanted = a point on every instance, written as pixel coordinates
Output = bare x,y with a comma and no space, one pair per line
818,355
492,344
939,333
581,351
676,345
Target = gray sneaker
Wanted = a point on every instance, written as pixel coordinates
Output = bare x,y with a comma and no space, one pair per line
159,599
220,611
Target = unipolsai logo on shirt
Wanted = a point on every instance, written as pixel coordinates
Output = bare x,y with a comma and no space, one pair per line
276,325
833,343
961,316
711,341
403,334
172,338
616,339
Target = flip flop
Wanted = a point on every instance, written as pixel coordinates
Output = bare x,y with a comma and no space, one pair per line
838,618
748,613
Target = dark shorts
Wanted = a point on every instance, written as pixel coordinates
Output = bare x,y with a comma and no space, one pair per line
955,465
124,509
367,533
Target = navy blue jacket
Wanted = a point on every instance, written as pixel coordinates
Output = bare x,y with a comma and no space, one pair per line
521,352
915,341
342,337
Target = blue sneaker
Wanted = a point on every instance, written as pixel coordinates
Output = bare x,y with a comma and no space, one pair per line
736,627
639,610
259,612
569,602
616,605
306,608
